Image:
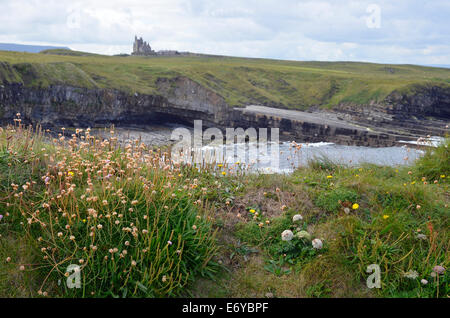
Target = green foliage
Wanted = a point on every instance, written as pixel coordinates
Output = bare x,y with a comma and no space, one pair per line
331,200
435,164
133,232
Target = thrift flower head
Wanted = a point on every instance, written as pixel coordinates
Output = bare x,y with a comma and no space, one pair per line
411,274
424,281
287,235
317,244
1,217
297,217
439,269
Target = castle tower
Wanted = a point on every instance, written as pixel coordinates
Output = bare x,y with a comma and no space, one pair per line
140,47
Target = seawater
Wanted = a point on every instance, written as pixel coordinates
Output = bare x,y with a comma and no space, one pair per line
290,155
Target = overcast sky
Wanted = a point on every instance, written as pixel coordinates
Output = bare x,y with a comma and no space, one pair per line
394,31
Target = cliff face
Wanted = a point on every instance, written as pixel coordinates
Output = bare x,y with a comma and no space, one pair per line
426,101
182,100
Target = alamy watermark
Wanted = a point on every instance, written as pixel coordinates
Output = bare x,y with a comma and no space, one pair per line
249,146
374,279
74,277
373,20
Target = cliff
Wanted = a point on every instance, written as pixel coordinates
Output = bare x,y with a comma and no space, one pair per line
352,103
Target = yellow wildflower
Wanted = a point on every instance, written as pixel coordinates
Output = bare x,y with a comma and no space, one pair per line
329,177
252,211
355,206
385,216
224,173
70,173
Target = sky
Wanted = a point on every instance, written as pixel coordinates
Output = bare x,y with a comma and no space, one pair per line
394,31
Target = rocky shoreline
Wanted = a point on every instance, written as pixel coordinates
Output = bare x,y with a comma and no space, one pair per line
181,101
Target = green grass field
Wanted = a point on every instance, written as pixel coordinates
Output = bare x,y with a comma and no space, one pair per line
240,81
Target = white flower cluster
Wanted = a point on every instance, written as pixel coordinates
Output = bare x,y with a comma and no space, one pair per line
288,235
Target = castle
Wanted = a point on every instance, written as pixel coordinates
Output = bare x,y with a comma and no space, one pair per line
140,47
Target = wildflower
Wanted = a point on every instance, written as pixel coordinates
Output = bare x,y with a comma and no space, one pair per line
303,234
84,220
442,176
194,227
421,236
355,206
317,244
169,242
72,238
81,261
438,269
385,216
47,180
418,207
346,210
424,281
70,173
99,226
133,263
411,274
283,207
104,202
224,173
329,177
164,278
21,267
134,202
297,217
1,217
8,259
287,235
252,211
261,224
60,234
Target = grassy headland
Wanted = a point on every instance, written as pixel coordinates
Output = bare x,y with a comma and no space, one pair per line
138,226
240,81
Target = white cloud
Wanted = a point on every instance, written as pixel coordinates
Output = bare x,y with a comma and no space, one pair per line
411,31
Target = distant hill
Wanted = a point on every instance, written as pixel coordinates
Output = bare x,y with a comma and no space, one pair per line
28,48
439,65
67,52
